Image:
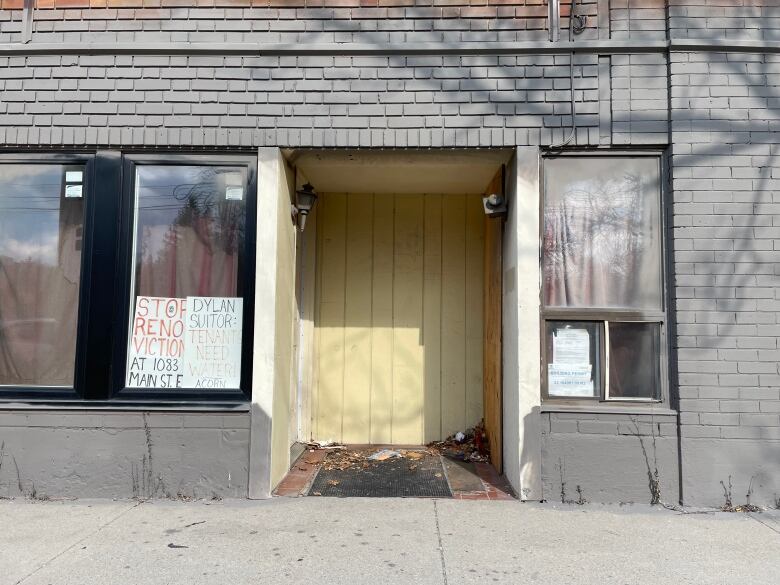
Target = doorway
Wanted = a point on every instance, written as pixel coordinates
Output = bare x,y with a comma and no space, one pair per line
398,268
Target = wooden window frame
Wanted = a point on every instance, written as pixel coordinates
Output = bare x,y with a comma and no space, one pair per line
607,315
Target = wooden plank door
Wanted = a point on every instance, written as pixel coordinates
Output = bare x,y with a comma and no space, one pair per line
491,360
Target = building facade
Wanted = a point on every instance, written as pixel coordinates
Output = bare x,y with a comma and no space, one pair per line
151,153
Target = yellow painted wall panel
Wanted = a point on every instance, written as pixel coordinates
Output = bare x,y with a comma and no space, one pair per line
382,319
453,317
330,383
357,321
408,374
398,318
475,242
432,318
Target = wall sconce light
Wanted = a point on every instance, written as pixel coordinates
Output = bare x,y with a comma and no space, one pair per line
305,198
494,205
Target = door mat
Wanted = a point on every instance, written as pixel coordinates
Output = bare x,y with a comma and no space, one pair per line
409,474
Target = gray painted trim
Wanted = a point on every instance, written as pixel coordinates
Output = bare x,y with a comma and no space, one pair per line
604,19
601,408
601,47
605,99
257,49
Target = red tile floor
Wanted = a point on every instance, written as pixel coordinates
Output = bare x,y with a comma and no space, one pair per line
492,485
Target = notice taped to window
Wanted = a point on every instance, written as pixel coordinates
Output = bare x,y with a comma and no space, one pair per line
192,342
571,346
570,373
569,380
212,346
156,343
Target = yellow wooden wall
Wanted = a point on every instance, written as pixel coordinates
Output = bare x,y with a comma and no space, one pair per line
398,327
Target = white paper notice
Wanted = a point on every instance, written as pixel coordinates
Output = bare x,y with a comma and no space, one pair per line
73,191
571,346
234,192
74,176
569,380
234,186
212,345
156,343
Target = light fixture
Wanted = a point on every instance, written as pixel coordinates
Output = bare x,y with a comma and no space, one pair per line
494,205
305,198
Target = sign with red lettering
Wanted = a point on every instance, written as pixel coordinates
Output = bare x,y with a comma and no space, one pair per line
156,353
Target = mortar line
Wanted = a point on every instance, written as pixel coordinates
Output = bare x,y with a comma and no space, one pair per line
772,528
441,544
78,542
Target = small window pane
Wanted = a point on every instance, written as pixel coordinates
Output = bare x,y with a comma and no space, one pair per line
602,233
41,225
573,350
634,367
186,310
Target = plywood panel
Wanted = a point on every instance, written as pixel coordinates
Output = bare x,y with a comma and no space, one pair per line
432,318
408,374
357,321
493,294
382,320
453,311
331,315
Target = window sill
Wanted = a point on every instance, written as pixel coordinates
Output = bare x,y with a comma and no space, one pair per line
124,406
602,408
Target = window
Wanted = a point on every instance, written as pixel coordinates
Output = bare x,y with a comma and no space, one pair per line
41,231
126,276
603,287
186,310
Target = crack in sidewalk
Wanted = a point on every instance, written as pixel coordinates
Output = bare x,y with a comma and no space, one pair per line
757,519
441,544
78,542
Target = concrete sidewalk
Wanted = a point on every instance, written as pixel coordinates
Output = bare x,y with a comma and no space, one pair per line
377,541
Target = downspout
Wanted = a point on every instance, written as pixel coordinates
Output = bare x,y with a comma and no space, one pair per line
577,24
27,20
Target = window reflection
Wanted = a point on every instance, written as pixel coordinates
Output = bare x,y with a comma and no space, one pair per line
41,223
187,251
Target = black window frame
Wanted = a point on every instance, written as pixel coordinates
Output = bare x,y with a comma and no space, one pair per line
13,392
101,338
606,315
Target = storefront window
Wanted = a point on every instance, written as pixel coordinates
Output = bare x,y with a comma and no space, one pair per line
603,278
41,230
186,309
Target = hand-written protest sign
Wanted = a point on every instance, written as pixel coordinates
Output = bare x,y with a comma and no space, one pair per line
212,345
156,343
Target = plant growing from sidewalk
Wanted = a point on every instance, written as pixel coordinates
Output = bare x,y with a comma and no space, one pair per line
728,504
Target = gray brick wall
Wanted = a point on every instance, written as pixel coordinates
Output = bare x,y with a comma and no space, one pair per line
727,248
732,19
366,101
609,456
452,21
638,19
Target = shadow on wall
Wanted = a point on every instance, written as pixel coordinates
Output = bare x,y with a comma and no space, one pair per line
399,318
132,455
614,458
